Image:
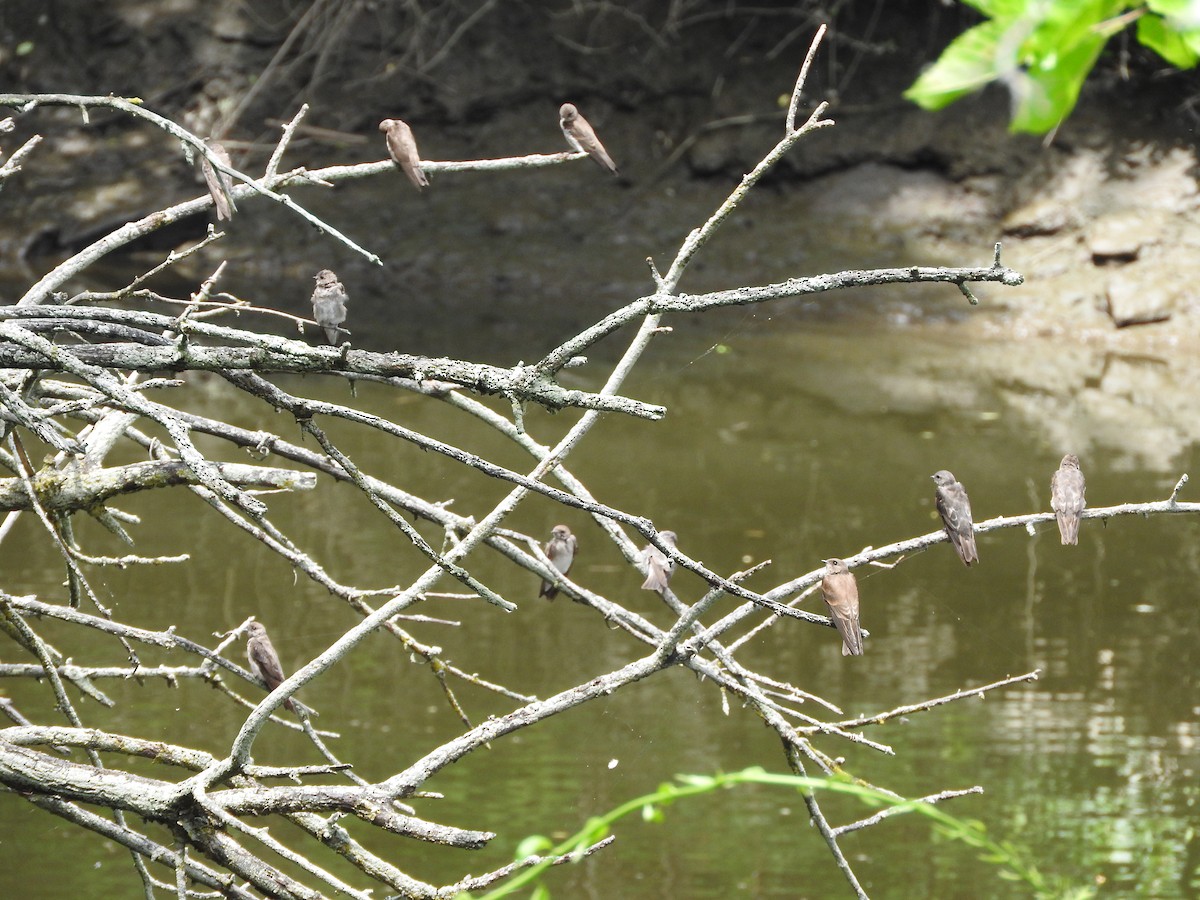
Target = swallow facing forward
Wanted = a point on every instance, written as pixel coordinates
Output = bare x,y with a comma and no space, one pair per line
402,148
560,550
839,587
329,304
955,510
264,661
659,566
582,138
220,185
1066,498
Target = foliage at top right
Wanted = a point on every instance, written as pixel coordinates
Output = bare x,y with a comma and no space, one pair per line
1042,50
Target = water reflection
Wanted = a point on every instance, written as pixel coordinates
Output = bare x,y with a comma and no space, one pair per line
789,440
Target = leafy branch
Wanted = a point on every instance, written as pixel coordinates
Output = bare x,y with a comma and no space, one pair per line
1043,51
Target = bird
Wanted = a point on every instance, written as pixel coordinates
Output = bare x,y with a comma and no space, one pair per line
1066,498
955,510
582,138
402,148
264,661
220,185
560,550
839,588
659,566
329,304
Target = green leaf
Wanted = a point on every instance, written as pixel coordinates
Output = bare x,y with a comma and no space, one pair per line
968,64
534,844
595,829
1060,28
1045,95
1173,46
652,812
1183,13
1005,10
1042,50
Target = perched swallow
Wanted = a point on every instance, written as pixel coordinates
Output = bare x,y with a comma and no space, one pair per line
329,304
1066,498
839,587
659,566
560,550
955,509
264,661
220,185
582,138
402,148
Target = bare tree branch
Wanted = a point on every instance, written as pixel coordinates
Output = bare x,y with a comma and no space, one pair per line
71,381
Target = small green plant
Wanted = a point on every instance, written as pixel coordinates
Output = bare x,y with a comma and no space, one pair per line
1009,859
1043,50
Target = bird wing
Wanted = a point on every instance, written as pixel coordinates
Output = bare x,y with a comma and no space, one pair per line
840,592
952,505
1067,492
266,662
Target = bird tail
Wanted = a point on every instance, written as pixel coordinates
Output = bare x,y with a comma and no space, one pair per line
967,549
655,581
1068,528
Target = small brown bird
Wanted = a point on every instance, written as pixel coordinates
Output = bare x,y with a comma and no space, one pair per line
402,148
955,510
329,304
220,185
839,587
560,550
264,661
659,566
582,138
1066,498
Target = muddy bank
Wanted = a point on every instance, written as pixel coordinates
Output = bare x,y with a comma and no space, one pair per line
1107,241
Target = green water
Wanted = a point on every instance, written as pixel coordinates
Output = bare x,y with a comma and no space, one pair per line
797,442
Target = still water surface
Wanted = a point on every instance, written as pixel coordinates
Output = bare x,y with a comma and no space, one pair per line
767,453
